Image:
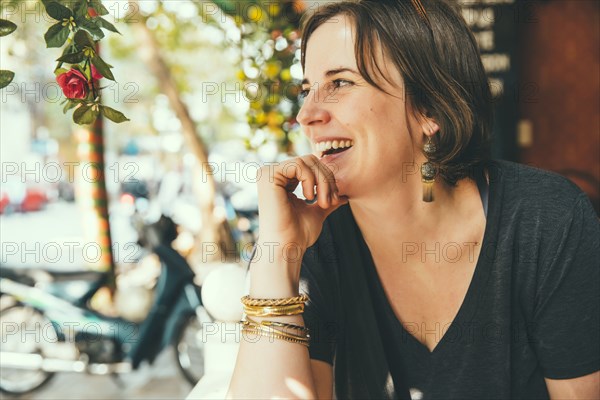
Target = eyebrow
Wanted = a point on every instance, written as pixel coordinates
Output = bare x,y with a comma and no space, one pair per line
332,72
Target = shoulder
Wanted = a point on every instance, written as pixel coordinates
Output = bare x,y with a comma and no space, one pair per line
527,181
533,194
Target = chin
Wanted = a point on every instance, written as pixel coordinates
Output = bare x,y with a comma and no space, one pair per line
344,188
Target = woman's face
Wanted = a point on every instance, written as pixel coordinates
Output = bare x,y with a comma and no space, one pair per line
340,105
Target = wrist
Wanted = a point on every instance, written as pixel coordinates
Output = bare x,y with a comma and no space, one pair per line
274,274
276,251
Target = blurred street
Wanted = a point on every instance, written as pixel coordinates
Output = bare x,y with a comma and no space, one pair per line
58,224
24,236
160,381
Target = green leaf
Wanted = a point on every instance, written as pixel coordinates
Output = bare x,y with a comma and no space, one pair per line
6,77
56,35
83,39
91,27
69,49
98,7
85,114
6,27
60,71
113,115
80,9
72,58
101,22
70,104
102,67
57,11
78,68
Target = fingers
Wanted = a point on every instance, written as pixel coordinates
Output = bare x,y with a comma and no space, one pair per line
311,173
324,181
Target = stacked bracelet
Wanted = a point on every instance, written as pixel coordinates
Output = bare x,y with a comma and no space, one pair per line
275,329
267,328
274,307
276,336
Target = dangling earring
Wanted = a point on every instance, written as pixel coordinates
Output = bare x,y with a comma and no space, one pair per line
428,172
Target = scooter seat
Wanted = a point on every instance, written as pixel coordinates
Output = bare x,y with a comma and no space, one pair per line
75,286
79,275
34,275
77,292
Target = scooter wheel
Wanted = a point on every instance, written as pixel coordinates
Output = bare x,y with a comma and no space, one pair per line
189,349
24,330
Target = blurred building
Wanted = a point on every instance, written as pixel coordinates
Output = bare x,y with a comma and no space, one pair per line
543,61
559,110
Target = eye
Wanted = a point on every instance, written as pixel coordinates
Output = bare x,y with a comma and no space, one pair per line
338,83
303,93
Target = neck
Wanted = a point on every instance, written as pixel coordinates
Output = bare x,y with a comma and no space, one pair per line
390,217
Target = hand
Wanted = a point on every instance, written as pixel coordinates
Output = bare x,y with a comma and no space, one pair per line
283,217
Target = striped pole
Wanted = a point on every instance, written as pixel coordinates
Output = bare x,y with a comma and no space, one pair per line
93,198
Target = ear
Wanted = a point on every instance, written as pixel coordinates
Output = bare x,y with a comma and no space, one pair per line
429,126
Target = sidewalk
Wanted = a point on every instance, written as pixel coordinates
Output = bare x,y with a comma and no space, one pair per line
159,381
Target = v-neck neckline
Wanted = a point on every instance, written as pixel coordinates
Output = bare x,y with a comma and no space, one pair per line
470,301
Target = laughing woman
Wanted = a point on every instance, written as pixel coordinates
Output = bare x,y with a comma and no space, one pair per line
431,271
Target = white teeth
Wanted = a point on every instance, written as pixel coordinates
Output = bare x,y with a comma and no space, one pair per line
336,144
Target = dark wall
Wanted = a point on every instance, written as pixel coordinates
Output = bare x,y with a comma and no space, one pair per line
559,65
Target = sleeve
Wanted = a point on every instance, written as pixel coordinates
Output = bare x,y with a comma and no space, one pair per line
316,280
566,318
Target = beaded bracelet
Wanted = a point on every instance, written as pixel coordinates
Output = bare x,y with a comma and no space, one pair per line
288,338
304,331
268,329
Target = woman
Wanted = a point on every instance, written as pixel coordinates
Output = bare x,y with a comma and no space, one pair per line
432,271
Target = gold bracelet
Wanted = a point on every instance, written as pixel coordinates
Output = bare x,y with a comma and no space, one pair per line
271,326
248,301
267,329
276,336
256,311
302,329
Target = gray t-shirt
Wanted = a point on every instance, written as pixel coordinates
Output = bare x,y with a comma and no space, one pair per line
531,311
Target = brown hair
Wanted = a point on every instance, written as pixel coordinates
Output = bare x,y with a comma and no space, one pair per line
439,63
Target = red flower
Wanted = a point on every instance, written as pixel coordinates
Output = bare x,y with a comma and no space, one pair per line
95,74
73,84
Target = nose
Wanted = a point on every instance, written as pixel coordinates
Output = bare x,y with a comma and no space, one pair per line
313,111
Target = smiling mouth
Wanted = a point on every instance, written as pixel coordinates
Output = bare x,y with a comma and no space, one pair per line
334,151
333,147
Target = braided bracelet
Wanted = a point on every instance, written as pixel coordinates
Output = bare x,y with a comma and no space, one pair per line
248,301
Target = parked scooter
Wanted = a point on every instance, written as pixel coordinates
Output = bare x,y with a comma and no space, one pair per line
52,329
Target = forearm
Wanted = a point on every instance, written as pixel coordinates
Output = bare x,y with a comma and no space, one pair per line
267,367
